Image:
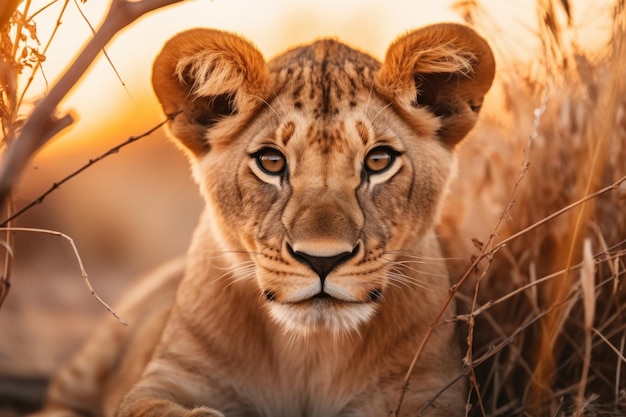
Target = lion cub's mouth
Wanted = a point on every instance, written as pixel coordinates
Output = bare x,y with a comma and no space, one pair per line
323,310
372,296
323,296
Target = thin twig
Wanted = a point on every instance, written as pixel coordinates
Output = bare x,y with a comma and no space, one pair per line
90,163
78,259
104,51
534,319
538,113
614,186
523,327
491,352
610,345
470,338
489,304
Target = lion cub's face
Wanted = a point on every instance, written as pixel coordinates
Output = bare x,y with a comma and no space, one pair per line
323,165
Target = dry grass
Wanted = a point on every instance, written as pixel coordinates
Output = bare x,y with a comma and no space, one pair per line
18,53
546,314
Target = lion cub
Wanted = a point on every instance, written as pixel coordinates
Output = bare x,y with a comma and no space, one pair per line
315,270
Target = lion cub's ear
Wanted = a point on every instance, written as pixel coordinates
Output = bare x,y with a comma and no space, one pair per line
207,75
444,68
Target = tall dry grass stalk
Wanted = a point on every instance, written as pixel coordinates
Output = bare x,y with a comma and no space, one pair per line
18,53
550,309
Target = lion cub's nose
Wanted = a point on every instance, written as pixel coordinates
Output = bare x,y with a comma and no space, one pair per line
322,265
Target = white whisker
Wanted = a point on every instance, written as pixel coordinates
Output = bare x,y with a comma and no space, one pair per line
419,271
379,113
410,254
269,106
369,98
280,103
404,281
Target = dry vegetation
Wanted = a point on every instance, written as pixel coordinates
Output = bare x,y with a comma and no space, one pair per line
22,138
18,53
545,313
544,307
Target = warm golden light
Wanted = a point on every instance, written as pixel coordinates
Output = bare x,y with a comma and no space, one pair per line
104,106
108,106
138,208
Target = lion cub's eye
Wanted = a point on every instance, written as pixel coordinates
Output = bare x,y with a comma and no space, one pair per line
379,159
271,161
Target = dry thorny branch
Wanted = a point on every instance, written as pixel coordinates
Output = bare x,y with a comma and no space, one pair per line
44,123
78,171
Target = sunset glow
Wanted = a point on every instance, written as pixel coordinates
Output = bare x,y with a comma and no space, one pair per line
102,100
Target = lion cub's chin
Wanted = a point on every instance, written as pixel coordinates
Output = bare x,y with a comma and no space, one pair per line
313,316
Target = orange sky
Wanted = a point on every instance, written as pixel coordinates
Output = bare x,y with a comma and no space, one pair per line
105,108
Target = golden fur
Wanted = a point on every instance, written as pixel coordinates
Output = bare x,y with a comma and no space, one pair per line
315,269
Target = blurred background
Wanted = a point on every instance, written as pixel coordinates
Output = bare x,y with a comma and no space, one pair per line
138,207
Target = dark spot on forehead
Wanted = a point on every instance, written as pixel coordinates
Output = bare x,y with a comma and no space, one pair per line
363,131
311,131
286,131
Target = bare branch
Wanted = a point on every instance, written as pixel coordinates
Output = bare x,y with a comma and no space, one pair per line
43,123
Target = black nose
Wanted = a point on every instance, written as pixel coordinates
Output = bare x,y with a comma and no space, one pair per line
322,265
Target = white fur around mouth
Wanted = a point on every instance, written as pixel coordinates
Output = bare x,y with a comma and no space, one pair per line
317,314
313,292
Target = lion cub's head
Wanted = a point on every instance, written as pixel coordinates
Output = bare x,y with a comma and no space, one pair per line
323,165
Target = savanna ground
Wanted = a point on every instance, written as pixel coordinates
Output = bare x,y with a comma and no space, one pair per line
535,226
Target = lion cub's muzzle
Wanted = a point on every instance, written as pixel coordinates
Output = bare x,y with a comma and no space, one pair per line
330,284
323,265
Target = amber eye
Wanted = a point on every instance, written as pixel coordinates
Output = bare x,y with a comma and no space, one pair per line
271,161
379,159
